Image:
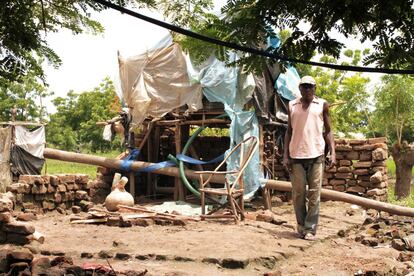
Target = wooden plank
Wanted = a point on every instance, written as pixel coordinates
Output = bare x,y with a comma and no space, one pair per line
87,221
132,184
206,122
21,123
266,199
145,210
167,122
179,189
150,176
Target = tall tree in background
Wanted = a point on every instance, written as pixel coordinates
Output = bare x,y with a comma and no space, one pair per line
26,96
394,117
73,126
25,24
315,26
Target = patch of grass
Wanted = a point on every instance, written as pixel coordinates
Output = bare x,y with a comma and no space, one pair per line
391,168
58,167
408,201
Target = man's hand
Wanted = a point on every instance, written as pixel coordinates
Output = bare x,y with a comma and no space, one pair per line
332,161
286,162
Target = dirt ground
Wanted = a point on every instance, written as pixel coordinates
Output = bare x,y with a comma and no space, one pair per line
217,248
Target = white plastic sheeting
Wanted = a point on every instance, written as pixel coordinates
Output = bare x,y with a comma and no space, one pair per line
156,82
107,133
162,79
31,141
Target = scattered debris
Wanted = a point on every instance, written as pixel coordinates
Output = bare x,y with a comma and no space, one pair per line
128,216
384,229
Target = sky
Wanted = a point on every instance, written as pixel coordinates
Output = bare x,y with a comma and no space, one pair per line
88,59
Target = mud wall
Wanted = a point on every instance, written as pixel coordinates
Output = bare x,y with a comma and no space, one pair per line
361,167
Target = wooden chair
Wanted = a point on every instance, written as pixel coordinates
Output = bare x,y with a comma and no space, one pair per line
232,188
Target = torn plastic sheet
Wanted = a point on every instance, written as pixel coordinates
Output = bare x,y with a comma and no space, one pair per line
264,93
224,84
31,141
23,162
156,82
107,133
287,84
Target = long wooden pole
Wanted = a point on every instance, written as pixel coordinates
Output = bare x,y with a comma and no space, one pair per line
269,184
340,196
117,163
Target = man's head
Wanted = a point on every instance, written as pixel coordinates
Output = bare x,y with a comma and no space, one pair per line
307,87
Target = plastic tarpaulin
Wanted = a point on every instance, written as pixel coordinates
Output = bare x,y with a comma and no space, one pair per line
224,84
156,82
264,94
5,143
287,84
23,162
31,141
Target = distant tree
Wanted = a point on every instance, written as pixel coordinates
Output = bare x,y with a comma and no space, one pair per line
315,26
394,117
74,123
25,23
26,96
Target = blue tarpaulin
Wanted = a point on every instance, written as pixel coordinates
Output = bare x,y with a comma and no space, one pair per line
226,85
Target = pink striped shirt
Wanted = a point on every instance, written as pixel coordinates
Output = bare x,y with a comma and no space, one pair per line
307,129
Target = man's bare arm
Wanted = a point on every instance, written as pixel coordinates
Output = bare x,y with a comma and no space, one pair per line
328,133
288,136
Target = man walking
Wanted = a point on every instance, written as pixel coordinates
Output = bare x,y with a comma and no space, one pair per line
304,154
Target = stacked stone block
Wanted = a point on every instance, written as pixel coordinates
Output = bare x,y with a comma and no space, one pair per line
101,187
10,231
50,192
361,168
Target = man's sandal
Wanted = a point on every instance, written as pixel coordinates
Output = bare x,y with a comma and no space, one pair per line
310,237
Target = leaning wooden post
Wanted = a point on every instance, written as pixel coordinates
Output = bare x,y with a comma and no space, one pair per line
179,189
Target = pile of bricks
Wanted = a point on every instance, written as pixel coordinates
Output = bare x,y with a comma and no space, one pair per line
50,192
361,168
11,231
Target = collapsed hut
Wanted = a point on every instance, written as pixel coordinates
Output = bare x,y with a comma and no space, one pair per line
168,103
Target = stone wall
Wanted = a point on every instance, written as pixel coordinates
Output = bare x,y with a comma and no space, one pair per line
50,192
361,168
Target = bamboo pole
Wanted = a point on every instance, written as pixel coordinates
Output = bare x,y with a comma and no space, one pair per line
340,196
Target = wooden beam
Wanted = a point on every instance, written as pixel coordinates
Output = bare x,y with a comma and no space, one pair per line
179,189
21,123
206,122
344,197
117,164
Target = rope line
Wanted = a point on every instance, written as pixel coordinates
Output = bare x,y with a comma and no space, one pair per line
248,49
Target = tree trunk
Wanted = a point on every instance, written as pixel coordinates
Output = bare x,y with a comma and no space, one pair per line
403,155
